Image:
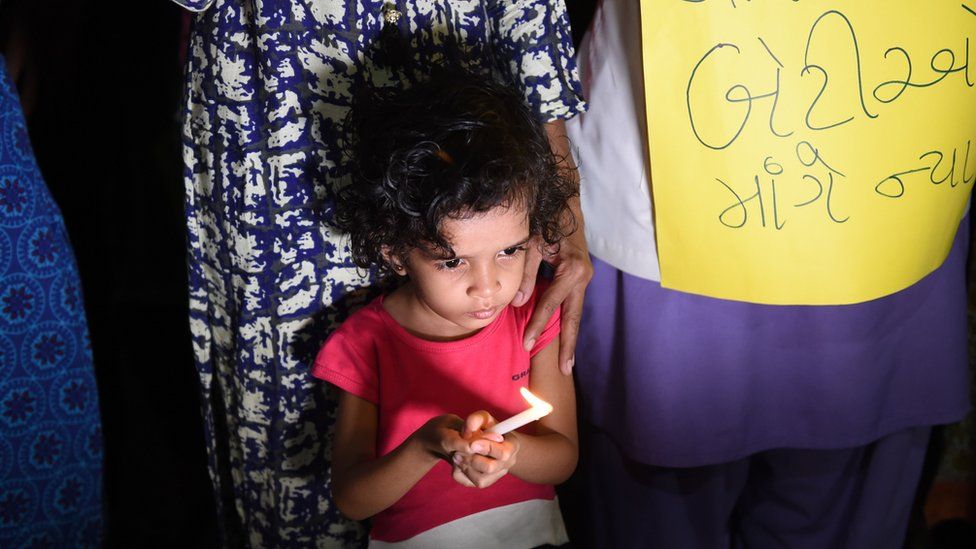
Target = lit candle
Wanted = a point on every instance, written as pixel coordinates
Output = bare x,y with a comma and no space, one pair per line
538,409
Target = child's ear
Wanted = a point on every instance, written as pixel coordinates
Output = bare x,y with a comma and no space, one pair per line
393,261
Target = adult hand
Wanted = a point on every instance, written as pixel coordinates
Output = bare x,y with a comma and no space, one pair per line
573,269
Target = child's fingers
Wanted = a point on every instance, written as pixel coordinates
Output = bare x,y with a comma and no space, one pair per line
476,422
452,422
495,437
484,480
453,444
480,475
478,471
461,478
449,436
499,451
483,466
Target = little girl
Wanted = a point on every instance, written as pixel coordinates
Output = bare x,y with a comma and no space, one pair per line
454,181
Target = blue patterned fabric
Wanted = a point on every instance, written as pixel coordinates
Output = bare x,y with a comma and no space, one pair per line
50,433
268,83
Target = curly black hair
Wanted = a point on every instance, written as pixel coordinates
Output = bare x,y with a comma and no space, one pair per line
450,148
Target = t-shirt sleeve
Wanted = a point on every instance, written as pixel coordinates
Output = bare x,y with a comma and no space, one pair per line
551,329
347,367
532,42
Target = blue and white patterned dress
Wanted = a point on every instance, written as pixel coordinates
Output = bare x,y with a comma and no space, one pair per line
50,431
268,82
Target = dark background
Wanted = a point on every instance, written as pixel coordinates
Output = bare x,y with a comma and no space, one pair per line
101,89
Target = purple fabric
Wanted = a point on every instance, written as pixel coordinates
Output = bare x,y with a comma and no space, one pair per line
804,499
682,380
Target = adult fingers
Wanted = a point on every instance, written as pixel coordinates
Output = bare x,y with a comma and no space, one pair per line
533,258
573,274
548,303
572,312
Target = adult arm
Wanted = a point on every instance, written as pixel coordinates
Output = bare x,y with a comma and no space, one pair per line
531,39
573,267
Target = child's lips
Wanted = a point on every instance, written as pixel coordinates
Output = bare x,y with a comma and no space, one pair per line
483,314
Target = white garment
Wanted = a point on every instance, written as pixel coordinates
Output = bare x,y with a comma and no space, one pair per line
610,142
517,526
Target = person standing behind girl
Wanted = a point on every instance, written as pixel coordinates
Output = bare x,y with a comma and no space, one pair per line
268,83
454,181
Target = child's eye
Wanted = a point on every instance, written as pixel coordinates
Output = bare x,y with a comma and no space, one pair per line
513,250
450,264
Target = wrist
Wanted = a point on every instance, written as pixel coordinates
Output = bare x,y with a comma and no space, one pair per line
515,439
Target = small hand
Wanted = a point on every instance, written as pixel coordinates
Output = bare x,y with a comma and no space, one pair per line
491,455
441,436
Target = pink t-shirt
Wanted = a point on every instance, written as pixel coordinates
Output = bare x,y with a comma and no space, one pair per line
412,380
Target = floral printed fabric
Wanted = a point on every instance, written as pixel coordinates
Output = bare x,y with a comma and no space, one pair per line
268,84
50,433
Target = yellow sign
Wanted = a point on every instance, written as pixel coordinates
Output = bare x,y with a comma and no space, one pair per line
808,152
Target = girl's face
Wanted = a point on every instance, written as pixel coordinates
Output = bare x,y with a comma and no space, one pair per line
458,296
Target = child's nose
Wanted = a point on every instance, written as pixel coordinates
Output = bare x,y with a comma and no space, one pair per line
485,283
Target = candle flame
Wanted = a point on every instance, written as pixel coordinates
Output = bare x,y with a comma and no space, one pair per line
535,401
